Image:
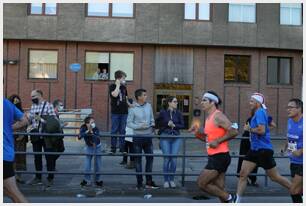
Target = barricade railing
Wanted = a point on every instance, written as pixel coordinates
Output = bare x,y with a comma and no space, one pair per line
183,173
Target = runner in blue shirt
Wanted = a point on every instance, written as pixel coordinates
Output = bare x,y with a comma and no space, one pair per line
11,114
294,147
261,153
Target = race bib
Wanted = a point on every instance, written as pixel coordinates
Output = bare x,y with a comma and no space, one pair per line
292,146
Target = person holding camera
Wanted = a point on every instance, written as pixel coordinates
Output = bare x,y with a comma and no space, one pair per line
39,111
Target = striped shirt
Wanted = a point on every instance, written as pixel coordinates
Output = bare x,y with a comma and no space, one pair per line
36,109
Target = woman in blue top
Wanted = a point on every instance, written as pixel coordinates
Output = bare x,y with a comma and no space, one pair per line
170,121
295,147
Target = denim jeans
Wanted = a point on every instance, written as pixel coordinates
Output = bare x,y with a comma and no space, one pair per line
170,147
88,159
147,146
118,126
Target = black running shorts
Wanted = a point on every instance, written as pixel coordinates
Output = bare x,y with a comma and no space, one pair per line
219,162
8,169
262,158
296,169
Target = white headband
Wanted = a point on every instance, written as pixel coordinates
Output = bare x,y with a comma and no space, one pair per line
259,98
211,97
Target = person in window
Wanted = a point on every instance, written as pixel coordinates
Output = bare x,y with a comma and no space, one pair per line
170,122
97,74
104,74
90,133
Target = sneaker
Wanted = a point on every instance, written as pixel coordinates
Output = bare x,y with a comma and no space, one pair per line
99,183
166,185
151,185
172,184
84,183
35,181
233,199
49,182
139,186
123,162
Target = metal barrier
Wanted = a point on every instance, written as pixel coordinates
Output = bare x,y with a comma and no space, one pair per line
95,154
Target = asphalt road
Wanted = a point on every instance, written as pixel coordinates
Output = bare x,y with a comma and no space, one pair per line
141,199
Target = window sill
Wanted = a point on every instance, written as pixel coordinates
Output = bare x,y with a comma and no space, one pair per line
237,84
280,86
43,80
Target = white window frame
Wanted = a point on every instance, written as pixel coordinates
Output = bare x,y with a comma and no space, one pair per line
243,8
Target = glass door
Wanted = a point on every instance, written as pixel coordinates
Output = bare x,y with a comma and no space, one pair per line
184,98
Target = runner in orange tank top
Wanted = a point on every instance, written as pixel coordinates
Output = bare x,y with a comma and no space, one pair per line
217,132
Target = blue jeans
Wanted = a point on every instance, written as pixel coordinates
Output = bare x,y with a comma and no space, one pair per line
170,147
118,126
88,159
147,146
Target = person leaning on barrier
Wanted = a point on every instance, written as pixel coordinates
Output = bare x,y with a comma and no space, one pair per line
20,142
141,120
217,132
40,111
11,114
294,146
90,133
170,121
261,153
59,143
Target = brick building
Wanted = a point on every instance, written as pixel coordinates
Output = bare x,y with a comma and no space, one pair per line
177,49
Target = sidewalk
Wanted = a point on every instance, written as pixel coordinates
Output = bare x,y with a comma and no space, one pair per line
69,185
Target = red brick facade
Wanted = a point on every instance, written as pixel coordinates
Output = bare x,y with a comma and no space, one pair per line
208,73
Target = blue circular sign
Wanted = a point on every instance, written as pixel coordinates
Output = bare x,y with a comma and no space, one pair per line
76,67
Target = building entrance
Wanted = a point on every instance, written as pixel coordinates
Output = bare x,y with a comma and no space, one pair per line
182,92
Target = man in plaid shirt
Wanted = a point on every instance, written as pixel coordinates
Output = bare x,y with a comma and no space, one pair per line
38,142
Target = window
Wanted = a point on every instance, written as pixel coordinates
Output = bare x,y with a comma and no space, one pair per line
199,11
110,10
242,13
237,68
43,64
291,14
279,70
43,9
98,9
103,65
122,10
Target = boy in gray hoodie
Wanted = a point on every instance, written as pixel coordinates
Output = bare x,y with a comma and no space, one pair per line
141,120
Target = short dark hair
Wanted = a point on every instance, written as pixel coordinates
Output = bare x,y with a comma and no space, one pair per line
298,103
219,99
87,119
56,102
119,74
39,92
139,92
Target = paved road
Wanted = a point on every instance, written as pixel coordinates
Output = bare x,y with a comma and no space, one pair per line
67,186
140,199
